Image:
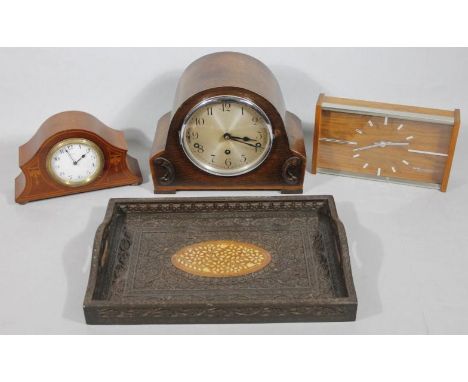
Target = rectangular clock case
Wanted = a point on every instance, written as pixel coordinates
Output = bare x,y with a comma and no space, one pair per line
430,133
133,281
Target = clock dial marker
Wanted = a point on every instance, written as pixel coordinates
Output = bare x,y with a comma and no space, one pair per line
393,169
378,171
340,141
427,152
409,138
386,121
370,123
405,162
356,155
365,165
358,131
400,127
426,170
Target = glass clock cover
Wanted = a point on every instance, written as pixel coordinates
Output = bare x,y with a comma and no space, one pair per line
386,147
75,162
226,135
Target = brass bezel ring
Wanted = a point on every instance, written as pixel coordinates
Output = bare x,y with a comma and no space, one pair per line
82,141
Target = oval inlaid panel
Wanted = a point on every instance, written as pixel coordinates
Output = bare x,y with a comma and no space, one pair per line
221,258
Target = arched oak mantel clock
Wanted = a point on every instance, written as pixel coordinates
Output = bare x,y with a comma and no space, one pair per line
228,129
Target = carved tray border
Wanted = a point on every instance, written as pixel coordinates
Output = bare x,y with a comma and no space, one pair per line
148,312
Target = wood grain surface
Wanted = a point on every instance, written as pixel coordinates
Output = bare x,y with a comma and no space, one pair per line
235,74
35,183
409,150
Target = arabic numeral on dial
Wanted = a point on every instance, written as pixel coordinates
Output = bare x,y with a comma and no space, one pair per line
213,158
226,106
199,121
259,135
228,162
243,159
254,120
190,135
199,147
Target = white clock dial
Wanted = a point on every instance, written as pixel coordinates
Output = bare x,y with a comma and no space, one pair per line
75,162
226,135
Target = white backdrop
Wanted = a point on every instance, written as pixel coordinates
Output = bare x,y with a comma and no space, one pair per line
408,245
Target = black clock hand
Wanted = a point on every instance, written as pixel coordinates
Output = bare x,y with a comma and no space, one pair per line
245,139
81,158
241,140
257,145
74,161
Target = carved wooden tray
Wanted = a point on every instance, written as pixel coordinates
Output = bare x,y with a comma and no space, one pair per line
303,271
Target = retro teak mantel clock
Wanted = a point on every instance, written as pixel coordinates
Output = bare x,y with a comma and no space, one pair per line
382,141
229,129
73,152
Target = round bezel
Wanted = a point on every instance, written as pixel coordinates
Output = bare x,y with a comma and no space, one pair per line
69,141
206,166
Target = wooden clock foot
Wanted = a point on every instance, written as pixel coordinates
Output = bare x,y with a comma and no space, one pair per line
292,191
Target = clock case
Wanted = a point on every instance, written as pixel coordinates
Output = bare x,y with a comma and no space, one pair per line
229,74
35,183
451,118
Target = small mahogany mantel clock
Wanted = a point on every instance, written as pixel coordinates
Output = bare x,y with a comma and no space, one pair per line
73,152
228,129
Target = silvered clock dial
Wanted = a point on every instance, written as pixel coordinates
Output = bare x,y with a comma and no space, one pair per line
226,135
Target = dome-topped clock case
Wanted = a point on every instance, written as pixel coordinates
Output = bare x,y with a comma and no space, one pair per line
73,152
228,129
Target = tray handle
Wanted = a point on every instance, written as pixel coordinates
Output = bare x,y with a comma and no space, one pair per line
103,255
